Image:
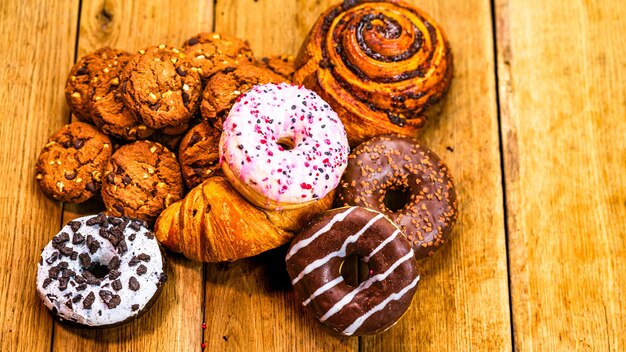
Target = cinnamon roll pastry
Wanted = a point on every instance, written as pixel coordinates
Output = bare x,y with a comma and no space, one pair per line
382,66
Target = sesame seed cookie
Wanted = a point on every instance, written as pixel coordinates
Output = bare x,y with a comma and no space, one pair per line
70,165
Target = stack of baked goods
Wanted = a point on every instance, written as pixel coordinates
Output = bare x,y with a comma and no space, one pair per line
261,153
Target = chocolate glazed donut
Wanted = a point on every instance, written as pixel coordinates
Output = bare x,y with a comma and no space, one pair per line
407,182
314,264
379,64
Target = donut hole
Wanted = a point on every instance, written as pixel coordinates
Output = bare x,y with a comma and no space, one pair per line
396,198
98,270
286,143
354,270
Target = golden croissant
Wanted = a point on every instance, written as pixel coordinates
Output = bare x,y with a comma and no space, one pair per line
214,223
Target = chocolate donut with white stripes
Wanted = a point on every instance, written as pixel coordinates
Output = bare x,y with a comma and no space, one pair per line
314,262
101,271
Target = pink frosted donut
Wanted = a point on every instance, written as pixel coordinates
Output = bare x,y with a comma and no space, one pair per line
283,147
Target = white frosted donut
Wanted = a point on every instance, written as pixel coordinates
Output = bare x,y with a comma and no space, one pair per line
261,168
101,271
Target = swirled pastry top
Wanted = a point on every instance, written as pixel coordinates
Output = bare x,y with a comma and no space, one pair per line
380,65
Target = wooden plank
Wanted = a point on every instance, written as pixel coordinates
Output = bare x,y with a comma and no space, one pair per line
462,300
174,323
38,39
561,70
249,303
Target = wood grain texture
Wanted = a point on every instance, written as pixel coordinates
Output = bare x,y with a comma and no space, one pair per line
462,301
32,107
174,323
250,304
561,70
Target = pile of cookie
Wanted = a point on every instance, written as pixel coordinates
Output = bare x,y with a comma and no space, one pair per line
134,110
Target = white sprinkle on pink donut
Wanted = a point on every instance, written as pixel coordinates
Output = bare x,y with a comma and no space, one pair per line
282,112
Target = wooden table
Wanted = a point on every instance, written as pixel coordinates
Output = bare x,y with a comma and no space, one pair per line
534,132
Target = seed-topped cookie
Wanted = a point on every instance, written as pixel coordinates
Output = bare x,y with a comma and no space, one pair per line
70,165
199,154
212,52
225,87
283,65
107,108
140,180
83,78
161,87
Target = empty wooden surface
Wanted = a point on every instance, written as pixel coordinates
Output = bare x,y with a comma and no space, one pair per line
537,118
563,98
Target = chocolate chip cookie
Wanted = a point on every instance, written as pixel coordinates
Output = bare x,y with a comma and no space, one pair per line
161,87
140,180
283,65
71,164
171,136
199,154
226,86
79,87
212,52
108,111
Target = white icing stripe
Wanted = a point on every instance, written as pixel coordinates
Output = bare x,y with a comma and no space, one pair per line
382,245
340,253
323,289
337,218
394,297
364,286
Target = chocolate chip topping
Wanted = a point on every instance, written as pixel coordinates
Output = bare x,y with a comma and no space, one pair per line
115,301
133,261
46,282
142,270
114,263
114,274
52,258
90,278
106,295
75,225
143,257
78,238
63,281
135,225
99,219
88,301
60,239
77,298
133,284
66,251
92,244
134,307
85,259
116,285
